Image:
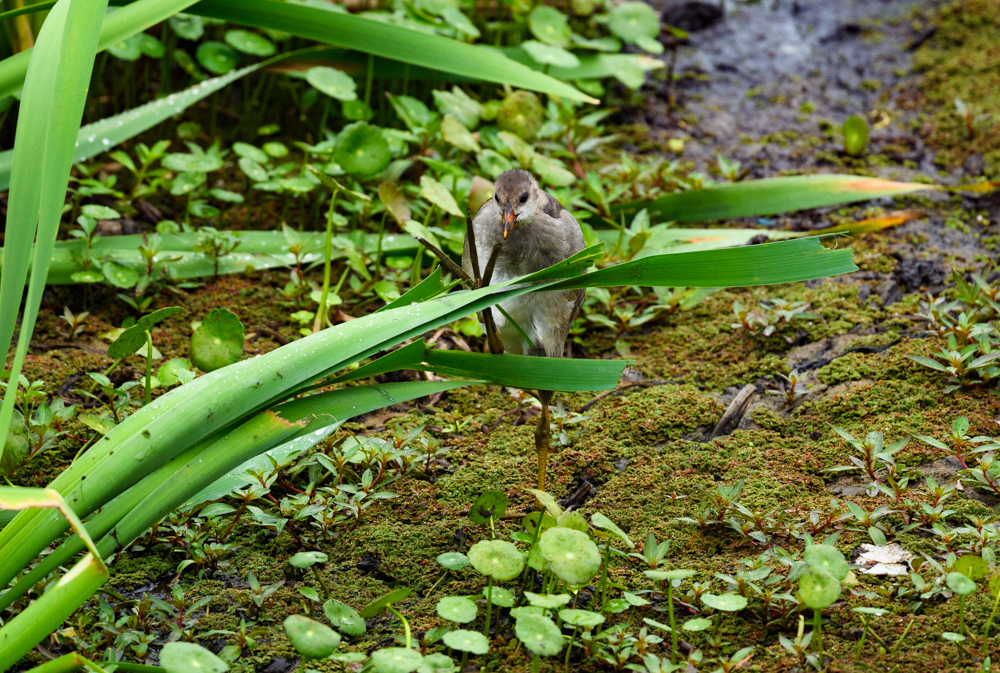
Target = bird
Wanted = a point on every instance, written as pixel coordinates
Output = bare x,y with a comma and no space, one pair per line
533,231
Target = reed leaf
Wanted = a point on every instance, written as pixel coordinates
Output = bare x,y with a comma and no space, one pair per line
212,403
55,90
766,197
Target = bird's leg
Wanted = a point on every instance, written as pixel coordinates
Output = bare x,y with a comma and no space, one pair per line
542,435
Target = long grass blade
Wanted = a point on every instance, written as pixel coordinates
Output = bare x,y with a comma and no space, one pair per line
32,625
117,26
172,423
55,90
393,42
766,197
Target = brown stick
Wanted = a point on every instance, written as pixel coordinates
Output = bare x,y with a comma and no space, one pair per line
446,260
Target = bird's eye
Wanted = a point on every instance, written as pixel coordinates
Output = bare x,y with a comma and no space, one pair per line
496,197
524,198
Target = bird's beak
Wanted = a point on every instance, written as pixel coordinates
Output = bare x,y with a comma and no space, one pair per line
508,219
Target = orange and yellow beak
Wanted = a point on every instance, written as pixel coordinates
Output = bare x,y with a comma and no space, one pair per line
508,219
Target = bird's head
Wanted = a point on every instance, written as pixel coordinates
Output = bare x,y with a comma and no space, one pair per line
518,197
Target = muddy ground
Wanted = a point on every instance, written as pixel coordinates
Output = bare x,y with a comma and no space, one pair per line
767,84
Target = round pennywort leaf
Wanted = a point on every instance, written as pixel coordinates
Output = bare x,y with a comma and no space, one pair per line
311,638
498,559
344,618
218,341
457,609
190,658
573,555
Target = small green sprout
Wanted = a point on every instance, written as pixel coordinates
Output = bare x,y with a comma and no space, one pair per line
667,579
865,612
963,586
855,135
498,560
311,559
819,585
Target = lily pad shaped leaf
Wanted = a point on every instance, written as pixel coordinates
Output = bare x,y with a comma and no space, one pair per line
362,149
249,43
311,638
396,660
453,560
604,523
636,22
218,341
826,557
573,555
819,589
186,657
498,559
573,520
490,505
464,640
973,567
304,559
551,601
727,602
437,663
539,635
550,26
457,609
696,624
584,619
550,54
875,612
344,618
216,57
334,83
960,584
499,596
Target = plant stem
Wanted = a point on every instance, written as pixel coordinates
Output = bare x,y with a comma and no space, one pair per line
368,79
406,627
489,606
673,626
899,642
149,367
861,643
818,630
318,324
989,623
604,575
961,614
536,664
322,584
569,648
